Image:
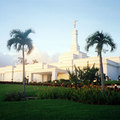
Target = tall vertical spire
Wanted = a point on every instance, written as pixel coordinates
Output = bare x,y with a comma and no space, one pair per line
75,23
75,47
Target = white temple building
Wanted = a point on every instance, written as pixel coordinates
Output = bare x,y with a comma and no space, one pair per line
42,72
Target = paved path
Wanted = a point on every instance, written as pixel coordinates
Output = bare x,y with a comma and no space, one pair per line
112,86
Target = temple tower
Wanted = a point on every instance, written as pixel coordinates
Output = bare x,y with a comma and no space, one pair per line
75,53
75,47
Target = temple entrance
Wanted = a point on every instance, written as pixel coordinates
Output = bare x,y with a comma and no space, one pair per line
41,77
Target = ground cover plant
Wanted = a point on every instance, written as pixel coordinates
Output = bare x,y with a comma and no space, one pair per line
112,82
15,96
86,94
51,108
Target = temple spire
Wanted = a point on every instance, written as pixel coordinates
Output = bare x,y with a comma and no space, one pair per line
75,23
75,46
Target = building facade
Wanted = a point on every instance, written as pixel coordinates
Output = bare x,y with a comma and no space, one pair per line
43,72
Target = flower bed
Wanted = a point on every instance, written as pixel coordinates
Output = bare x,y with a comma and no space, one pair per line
88,95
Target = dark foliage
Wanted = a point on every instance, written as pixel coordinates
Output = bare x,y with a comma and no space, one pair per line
16,96
85,76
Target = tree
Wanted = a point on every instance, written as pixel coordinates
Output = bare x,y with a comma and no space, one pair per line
34,61
20,61
85,76
20,41
90,74
73,75
100,39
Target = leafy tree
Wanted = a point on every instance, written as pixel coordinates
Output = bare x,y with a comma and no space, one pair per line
20,41
20,60
90,74
73,76
86,75
34,61
100,39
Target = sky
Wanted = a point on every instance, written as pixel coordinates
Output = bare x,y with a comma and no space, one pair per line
52,21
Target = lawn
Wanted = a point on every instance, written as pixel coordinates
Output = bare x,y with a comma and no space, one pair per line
52,109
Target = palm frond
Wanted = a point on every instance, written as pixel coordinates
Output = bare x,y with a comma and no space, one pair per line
19,47
20,39
100,39
29,45
27,32
109,41
14,33
11,42
15,45
91,41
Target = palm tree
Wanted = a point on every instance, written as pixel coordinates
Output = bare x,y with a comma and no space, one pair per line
20,61
100,39
34,61
21,41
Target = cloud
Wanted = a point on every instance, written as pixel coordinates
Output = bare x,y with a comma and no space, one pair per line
12,58
41,56
55,57
7,59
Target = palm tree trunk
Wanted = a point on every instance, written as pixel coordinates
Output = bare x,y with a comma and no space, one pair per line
24,90
101,72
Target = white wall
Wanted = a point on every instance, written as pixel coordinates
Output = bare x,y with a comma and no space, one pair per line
112,72
8,76
2,77
45,78
18,77
37,77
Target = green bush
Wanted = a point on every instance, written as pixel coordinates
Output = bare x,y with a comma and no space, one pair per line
54,93
85,76
62,82
16,96
112,82
65,82
87,95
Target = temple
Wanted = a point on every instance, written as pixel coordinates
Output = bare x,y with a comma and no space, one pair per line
75,52
43,72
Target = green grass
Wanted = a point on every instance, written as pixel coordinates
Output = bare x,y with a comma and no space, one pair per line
52,109
112,82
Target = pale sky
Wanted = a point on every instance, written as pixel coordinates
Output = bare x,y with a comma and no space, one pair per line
52,21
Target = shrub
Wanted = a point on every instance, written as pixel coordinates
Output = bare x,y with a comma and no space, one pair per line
112,82
85,94
54,93
65,82
94,95
86,76
16,96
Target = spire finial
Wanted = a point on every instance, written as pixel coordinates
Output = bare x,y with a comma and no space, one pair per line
75,23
